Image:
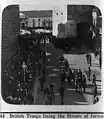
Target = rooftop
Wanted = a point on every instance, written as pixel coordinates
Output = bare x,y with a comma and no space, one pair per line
42,13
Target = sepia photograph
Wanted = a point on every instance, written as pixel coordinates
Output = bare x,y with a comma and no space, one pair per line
51,57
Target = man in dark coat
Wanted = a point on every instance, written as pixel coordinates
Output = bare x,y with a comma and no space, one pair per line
90,59
100,60
89,73
63,76
84,83
61,90
30,98
87,57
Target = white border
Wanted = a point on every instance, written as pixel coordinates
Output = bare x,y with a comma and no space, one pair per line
4,107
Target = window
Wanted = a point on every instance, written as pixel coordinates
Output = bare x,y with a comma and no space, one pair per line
51,24
38,24
44,23
33,22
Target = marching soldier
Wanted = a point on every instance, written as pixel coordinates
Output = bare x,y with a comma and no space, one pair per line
90,59
50,95
94,78
100,60
66,64
89,73
87,57
69,75
94,90
61,90
84,83
63,76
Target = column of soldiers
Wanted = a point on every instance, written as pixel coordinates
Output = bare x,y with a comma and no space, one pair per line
78,80
74,78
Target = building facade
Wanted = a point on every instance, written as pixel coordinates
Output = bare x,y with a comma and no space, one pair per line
38,19
80,13
76,14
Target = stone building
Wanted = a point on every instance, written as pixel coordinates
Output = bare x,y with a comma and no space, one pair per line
39,19
80,13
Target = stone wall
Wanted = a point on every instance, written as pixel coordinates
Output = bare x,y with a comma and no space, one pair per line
10,32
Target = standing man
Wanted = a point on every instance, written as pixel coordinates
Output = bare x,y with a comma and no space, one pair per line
94,91
61,90
89,73
100,60
90,59
66,49
94,78
84,83
51,95
44,57
69,76
96,54
66,64
87,57
63,76
80,73
42,79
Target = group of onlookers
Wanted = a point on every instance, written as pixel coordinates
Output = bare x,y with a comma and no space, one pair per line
75,78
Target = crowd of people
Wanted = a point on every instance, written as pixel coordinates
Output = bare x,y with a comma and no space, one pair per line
18,80
78,79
